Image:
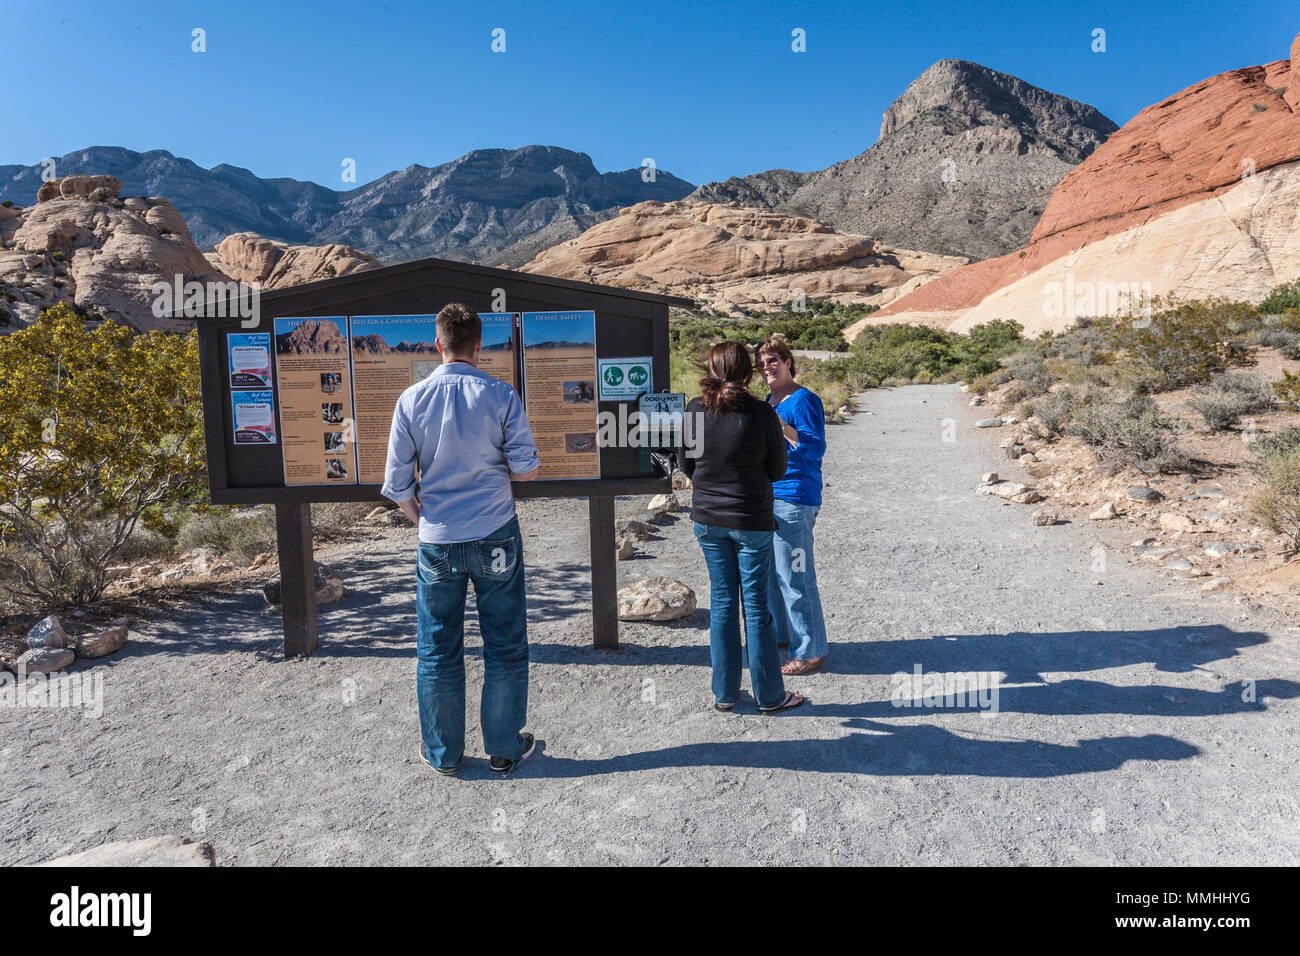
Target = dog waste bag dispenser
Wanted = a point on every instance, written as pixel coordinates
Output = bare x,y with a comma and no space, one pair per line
661,431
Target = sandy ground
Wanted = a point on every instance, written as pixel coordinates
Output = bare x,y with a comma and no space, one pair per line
1125,733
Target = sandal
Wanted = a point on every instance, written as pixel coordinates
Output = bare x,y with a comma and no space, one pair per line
792,700
794,668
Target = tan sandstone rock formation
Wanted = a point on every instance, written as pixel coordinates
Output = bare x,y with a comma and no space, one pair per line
248,257
729,257
83,245
1198,195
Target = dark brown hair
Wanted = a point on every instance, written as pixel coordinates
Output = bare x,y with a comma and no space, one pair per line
459,330
778,347
727,373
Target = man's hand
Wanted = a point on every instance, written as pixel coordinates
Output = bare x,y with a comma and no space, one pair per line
411,508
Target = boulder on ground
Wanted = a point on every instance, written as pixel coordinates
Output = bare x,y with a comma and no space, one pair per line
630,527
664,503
1173,521
102,643
48,633
1105,512
624,549
989,423
152,851
329,586
44,660
1143,493
1042,518
655,599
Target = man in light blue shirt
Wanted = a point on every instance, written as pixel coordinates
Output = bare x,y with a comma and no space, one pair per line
464,435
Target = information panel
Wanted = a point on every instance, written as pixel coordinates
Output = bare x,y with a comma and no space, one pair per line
560,391
314,382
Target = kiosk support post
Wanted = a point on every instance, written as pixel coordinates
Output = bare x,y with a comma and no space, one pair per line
297,578
604,573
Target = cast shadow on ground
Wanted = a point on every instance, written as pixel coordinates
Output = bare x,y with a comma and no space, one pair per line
880,749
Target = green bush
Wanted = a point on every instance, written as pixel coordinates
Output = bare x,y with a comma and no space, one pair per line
1228,397
1186,343
1285,296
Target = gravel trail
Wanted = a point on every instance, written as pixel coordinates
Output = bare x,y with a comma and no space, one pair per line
1124,733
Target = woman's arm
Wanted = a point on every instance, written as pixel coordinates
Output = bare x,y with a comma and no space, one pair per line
808,418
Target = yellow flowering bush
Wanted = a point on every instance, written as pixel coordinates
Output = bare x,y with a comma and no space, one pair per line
101,432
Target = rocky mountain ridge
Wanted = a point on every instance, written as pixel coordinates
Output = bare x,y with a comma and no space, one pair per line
494,205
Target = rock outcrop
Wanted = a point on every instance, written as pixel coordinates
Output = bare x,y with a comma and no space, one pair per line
248,257
965,162
1197,196
84,245
493,205
730,257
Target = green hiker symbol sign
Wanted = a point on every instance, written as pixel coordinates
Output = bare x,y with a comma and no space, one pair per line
623,379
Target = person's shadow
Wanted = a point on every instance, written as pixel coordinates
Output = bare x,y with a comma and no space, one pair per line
881,749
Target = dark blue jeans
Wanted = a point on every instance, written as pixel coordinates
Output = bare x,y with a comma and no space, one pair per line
740,562
443,571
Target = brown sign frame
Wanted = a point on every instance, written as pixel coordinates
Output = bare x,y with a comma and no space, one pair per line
629,324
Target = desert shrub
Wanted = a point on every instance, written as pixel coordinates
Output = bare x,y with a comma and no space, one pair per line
1129,433
1186,343
1056,410
100,433
1274,338
1279,443
1292,349
1228,397
1283,297
1278,505
1287,389
237,532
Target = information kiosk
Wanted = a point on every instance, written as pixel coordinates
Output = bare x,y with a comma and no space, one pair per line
299,387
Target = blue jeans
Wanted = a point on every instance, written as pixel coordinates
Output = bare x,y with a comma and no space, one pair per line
740,561
793,599
443,571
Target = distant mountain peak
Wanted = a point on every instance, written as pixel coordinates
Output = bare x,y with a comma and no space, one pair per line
966,160
983,96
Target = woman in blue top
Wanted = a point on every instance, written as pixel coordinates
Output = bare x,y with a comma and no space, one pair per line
792,595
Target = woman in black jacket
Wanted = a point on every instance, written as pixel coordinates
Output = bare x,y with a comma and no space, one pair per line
741,452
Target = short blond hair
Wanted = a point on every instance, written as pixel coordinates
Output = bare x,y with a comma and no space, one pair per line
778,347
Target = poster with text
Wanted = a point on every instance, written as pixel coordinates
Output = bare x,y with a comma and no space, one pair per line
253,414
560,391
498,355
314,378
390,353
250,359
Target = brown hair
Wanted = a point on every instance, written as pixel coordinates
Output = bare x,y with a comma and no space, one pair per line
778,347
727,373
459,330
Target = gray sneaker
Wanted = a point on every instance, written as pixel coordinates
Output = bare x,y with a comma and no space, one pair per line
445,771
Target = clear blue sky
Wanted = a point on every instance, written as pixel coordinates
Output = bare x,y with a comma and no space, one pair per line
706,89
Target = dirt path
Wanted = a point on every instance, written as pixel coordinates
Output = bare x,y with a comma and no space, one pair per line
1121,735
